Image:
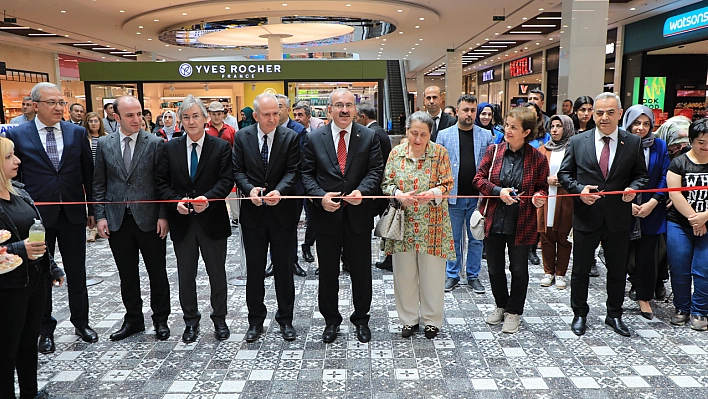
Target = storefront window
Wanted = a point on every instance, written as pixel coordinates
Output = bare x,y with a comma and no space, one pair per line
107,93
316,94
15,85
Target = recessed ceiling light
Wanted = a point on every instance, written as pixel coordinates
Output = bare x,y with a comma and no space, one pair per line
348,5
537,26
285,4
88,41
399,10
524,18
486,38
149,39
417,26
184,13
508,26
140,27
420,40
384,39
103,57
121,11
66,35
167,45
227,8
63,12
422,19
540,9
137,33
155,20
550,38
538,44
179,49
496,34
345,48
632,9
417,44
400,33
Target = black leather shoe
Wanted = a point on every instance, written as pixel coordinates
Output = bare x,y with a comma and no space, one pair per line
618,325
387,264
190,334
647,315
162,332
253,333
86,333
288,332
307,253
660,292
317,271
330,333
632,294
533,258
577,326
46,345
269,270
593,269
345,265
44,394
126,330
363,333
297,270
221,331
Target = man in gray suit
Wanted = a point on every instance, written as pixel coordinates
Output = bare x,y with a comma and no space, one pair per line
126,163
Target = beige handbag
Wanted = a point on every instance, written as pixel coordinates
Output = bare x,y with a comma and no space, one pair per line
391,224
477,218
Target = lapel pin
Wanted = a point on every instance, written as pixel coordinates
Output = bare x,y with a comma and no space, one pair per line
358,135
622,142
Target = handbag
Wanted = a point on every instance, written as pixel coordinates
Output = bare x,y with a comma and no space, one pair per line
391,224
477,218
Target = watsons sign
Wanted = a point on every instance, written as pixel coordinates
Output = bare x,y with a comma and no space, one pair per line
228,71
687,22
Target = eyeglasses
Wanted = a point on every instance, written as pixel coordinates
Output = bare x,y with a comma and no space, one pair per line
342,106
53,104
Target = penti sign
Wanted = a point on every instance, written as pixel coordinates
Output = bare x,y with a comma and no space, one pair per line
686,22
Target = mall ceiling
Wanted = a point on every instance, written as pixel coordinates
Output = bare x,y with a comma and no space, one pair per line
420,31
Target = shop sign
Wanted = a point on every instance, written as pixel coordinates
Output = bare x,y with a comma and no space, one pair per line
654,92
488,76
525,88
687,22
230,71
521,67
6,127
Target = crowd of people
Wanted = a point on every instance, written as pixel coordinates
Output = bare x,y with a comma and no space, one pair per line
515,170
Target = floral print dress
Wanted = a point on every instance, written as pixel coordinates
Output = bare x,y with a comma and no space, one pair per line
427,227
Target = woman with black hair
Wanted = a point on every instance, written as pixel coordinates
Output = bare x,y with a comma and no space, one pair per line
582,114
542,136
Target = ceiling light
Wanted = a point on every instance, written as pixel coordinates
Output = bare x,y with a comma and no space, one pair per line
417,44
422,19
155,20
550,38
519,32
103,48
140,27
508,26
184,13
66,35
41,34
540,9
149,39
121,11
83,44
103,58
495,46
538,44
167,45
487,39
537,26
400,33
63,12
14,27
632,9
547,18
285,4
420,40
400,10
348,5
524,18
179,49
137,33
417,26
227,8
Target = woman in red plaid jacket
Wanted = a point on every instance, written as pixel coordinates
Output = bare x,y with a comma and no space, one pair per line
514,174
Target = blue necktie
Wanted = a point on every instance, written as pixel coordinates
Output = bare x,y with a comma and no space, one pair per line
194,162
264,152
52,147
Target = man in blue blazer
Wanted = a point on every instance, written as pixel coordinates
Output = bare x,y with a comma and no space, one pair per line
57,166
466,143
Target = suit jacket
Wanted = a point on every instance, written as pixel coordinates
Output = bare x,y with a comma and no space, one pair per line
281,175
111,182
70,183
384,140
450,139
320,174
534,181
580,168
659,162
563,212
301,132
446,121
214,179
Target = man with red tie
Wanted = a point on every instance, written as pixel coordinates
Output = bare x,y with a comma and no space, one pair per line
341,162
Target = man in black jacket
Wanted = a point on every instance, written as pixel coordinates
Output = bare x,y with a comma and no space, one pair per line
434,106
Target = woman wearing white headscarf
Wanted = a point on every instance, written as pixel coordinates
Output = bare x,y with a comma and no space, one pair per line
675,133
649,209
170,130
555,218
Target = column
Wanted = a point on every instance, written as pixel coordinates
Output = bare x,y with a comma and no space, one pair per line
453,77
582,49
420,88
619,55
275,43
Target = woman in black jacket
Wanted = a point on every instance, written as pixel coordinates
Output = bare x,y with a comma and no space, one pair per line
22,291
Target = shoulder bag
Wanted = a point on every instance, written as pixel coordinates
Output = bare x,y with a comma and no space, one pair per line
477,218
391,224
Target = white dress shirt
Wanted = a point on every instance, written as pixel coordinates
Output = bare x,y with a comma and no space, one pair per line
57,135
600,143
437,118
200,145
335,136
261,133
553,167
133,138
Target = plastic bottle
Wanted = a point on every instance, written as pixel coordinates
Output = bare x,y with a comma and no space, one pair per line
36,232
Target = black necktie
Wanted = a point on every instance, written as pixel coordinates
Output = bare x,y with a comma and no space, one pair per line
264,152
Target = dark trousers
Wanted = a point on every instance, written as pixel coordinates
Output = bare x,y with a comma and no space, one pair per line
126,244
555,250
615,246
644,274
512,302
214,254
72,244
329,248
255,242
21,313
309,230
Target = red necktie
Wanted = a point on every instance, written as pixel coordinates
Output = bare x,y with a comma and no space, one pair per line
605,157
342,151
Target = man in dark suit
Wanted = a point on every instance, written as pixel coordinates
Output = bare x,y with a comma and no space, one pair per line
57,166
194,169
434,106
76,112
341,162
367,117
602,159
265,164
126,163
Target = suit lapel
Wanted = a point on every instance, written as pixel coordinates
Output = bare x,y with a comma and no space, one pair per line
619,152
115,147
255,151
140,144
328,143
590,147
182,150
68,134
206,153
278,137
653,157
354,139
34,137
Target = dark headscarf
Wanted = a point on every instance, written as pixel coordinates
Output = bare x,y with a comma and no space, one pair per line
481,107
568,131
248,111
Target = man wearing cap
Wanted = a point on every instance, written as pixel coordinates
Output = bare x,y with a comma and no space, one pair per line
216,126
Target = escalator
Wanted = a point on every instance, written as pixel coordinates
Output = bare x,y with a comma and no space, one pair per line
396,95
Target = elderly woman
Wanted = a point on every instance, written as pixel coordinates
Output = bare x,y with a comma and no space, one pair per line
648,209
418,173
555,218
22,290
508,171
686,230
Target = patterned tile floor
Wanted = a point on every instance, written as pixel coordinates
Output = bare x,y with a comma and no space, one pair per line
469,359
